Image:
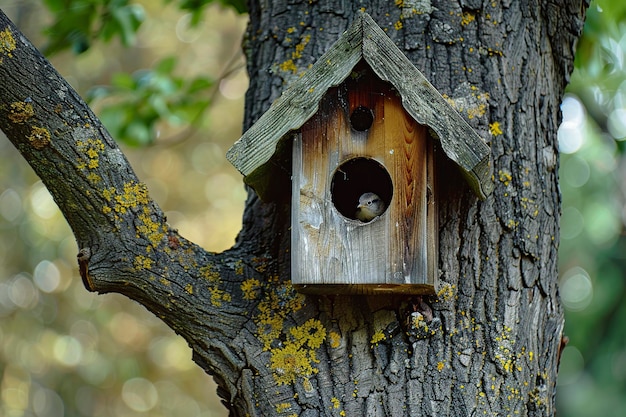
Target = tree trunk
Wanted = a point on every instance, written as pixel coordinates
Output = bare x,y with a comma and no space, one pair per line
487,344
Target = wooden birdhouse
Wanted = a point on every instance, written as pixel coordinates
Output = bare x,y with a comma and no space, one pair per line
363,125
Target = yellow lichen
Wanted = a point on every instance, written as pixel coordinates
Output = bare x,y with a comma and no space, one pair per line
445,293
290,362
141,262
92,148
94,178
288,66
335,339
7,43
134,194
494,128
269,329
311,333
297,54
261,266
239,267
474,105
467,18
505,177
108,193
417,321
282,407
306,384
39,137
335,402
476,111
440,366
20,112
149,229
398,25
292,348
210,274
378,336
250,289
280,300
189,288
504,352
217,296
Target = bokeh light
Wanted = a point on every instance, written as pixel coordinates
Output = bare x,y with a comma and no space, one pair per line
576,289
570,133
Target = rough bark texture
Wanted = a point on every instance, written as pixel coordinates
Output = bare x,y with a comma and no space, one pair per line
488,345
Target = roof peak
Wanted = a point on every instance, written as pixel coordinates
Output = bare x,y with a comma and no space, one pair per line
363,40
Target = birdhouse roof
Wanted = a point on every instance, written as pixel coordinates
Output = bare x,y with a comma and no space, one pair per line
364,40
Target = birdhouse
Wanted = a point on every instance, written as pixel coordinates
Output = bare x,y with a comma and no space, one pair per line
359,132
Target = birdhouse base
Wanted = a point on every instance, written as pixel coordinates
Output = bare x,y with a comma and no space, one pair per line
365,289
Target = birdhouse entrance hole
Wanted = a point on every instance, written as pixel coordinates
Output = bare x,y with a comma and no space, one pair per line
361,118
356,177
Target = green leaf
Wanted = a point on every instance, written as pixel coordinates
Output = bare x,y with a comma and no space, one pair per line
149,96
239,5
199,84
167,65
124,81
122,19
77,23
138,134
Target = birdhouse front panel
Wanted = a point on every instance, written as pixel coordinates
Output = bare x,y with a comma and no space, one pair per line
363,196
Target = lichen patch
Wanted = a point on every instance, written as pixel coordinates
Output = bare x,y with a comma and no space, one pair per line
7,43
21,111
39,137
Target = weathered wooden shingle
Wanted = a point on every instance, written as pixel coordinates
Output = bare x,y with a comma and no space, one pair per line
252,153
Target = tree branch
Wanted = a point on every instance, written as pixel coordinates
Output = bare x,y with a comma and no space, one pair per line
126,245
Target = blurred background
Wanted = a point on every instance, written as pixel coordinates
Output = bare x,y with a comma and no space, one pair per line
175,102
63,350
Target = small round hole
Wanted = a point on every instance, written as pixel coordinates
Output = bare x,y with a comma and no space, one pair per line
353,181
361,118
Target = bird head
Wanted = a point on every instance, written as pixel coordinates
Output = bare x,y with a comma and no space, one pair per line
370,206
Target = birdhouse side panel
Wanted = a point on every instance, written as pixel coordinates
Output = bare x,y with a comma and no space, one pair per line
432,215
407,158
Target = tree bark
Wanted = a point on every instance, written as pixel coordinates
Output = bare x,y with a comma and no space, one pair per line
488,343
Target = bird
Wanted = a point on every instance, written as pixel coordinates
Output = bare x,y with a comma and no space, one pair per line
370,206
